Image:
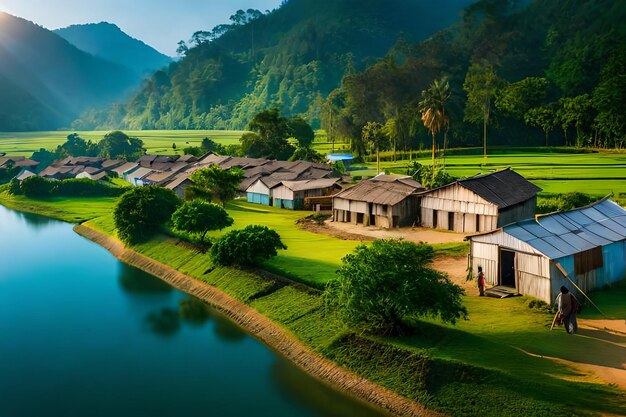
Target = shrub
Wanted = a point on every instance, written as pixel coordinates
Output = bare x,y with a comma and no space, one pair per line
381,286
199,216
14,187
37,187
249,246
141,211
550,203
74,187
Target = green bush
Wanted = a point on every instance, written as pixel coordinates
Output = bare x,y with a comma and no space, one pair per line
381,287
142,210
249,246
74,187
199,216
550,203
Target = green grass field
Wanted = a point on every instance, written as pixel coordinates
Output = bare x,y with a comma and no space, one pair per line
591,173
497,363
156,141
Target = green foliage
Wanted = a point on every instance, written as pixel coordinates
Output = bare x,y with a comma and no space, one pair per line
39,187
372,134
142,210
302,131
307,154
424,175
8,172
198,216
221,185
249,246
545,118
117,144
481,84
381,286
77,146
339,167
269,139
517,98
15,187
562,202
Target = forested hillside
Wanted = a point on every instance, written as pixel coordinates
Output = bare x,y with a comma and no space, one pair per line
45,82
107,41
290,58
542,72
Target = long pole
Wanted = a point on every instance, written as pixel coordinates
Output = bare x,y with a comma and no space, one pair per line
560,268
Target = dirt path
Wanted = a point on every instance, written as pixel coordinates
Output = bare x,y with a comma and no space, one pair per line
349,231
267,331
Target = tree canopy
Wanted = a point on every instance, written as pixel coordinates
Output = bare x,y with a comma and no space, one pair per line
199,216
380,287
247,247
216,184
142,210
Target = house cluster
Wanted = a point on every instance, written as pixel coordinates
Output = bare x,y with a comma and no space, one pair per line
92,168
26,165
477,204
534,255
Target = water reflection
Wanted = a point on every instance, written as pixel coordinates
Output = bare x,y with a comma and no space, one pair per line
226,330
309,392
164,322
35,221
135,281
194,311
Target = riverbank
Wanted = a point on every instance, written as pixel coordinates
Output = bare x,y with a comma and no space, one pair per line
265,330
449,369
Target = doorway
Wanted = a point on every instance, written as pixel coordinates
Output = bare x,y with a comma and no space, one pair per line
507,268
451,221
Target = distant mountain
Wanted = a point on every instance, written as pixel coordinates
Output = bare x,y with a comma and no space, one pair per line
107,41
290,58
45,82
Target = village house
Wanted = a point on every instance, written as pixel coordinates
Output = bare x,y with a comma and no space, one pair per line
292,194
588,244
385,201
479,204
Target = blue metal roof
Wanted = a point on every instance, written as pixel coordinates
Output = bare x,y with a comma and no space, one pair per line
563,234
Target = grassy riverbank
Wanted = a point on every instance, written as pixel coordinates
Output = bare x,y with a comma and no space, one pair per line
482,366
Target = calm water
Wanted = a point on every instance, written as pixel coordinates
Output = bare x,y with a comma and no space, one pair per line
82,334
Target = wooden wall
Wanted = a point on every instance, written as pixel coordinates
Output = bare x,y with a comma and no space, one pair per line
258,188
471,213
522,211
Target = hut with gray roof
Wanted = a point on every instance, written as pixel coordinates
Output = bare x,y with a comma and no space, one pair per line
385,201
538,256
479,204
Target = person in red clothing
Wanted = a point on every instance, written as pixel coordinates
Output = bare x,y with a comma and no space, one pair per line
481,281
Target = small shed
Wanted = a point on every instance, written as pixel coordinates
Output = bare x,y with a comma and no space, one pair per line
588,243
479,204
291,194
260,192
385,201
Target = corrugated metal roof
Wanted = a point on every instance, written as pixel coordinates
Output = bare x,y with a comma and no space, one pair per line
562,234
310,184
378,192
503,188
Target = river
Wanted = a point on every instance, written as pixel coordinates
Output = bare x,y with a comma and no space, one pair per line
82,334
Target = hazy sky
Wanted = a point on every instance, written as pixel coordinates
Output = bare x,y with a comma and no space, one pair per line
159,23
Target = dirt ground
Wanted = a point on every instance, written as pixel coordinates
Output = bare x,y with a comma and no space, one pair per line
414,234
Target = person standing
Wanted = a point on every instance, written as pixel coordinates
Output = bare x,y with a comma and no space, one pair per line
568,307
481,281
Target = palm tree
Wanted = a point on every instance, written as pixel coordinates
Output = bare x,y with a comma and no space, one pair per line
433,110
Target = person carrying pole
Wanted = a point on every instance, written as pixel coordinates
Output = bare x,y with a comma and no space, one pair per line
568,308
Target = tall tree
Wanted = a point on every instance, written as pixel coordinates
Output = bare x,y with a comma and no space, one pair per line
543,117
271,132
481,84
373,134
222,185
433,110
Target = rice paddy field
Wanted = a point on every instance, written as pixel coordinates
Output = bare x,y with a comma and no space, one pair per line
555,170
156,141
